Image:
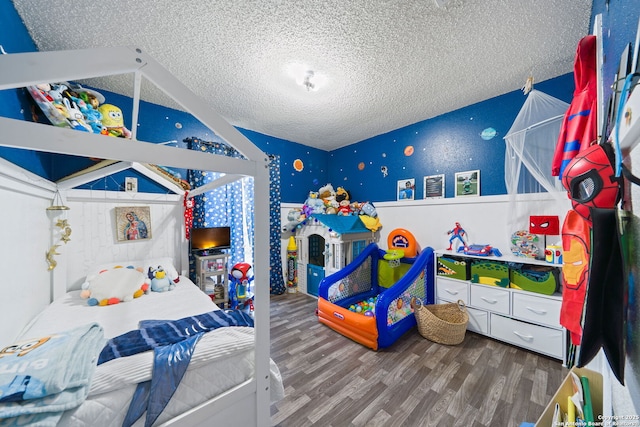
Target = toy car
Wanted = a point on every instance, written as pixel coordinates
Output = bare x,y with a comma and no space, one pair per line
479,250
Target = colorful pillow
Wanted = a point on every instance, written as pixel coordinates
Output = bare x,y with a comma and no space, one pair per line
120,284
142,265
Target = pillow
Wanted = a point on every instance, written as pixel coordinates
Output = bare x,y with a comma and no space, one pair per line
115,286
142,265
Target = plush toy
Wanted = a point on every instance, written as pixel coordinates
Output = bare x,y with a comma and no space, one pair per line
160,282
295,217
367,208
326,191
331,206
92,116
345,208
189,205
113,121
313,204
342,194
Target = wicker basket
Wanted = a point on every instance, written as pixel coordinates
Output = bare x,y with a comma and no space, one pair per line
442,323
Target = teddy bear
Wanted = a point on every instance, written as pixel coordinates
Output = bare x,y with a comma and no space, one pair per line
160,282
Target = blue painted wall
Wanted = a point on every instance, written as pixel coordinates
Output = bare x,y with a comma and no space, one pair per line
446,144
619,27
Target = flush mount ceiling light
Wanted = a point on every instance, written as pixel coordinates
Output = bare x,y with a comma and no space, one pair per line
305,77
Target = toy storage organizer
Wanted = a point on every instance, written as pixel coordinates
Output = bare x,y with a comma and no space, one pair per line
370,276
515,300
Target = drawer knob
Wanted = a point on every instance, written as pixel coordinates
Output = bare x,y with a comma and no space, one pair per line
452,292
524,337
490,301
537,311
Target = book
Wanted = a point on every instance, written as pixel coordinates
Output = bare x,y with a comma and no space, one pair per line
571,411
588,405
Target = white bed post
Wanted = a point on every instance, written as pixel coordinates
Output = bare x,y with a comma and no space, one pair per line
262,294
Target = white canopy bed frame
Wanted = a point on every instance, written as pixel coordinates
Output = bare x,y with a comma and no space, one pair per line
247,403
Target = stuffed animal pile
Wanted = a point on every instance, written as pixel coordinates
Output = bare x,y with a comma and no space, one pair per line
71,105
331,202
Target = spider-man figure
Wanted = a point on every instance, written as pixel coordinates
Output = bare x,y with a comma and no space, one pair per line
456,233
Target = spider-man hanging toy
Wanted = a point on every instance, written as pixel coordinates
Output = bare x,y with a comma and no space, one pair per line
189,204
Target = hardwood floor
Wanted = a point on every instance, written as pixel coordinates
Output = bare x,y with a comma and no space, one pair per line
331,380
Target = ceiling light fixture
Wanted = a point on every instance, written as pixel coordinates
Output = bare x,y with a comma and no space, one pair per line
307,81
305,77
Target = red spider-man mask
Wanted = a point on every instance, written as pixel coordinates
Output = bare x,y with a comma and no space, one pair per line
590,181
548,225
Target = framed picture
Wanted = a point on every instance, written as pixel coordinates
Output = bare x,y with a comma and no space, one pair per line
133,223
468,183
131,184
406,189
434,186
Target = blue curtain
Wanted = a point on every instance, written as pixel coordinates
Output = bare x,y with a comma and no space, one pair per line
276,280
233,205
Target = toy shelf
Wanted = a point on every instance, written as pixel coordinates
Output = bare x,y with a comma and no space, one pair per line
503,258
525,316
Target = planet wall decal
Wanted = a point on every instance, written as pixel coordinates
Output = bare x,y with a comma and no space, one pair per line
488,134
408,150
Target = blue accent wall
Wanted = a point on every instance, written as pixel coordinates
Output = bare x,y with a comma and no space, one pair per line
619,27
450,143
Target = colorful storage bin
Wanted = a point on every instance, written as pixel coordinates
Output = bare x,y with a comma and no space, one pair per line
539,279
490,273
453,267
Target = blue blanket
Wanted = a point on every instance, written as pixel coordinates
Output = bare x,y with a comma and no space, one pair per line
154,334
173,343
41,378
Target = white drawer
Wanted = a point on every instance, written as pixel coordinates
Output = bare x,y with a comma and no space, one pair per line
490,298
545,311
478,321
452,290
537,338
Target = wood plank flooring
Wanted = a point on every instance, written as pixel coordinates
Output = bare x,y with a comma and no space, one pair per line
331,380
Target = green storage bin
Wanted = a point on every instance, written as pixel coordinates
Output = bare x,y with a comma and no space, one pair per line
539,279
453,267
490,273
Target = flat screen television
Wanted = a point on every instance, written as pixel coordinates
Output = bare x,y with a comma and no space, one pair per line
210,239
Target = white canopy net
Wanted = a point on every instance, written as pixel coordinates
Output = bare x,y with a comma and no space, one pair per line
530,145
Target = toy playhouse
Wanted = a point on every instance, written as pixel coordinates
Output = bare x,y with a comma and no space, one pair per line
326,243
386,286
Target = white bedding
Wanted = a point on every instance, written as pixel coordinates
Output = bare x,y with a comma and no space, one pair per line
222,359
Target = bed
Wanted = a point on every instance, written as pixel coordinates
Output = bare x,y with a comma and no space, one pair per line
223,358
248,401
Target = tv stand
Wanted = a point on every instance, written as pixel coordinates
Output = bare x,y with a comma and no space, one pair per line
208,252
212,276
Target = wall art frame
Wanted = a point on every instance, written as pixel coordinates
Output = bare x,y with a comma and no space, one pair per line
133,223
434,187
467,183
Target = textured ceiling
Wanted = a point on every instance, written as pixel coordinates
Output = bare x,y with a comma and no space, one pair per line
387,64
